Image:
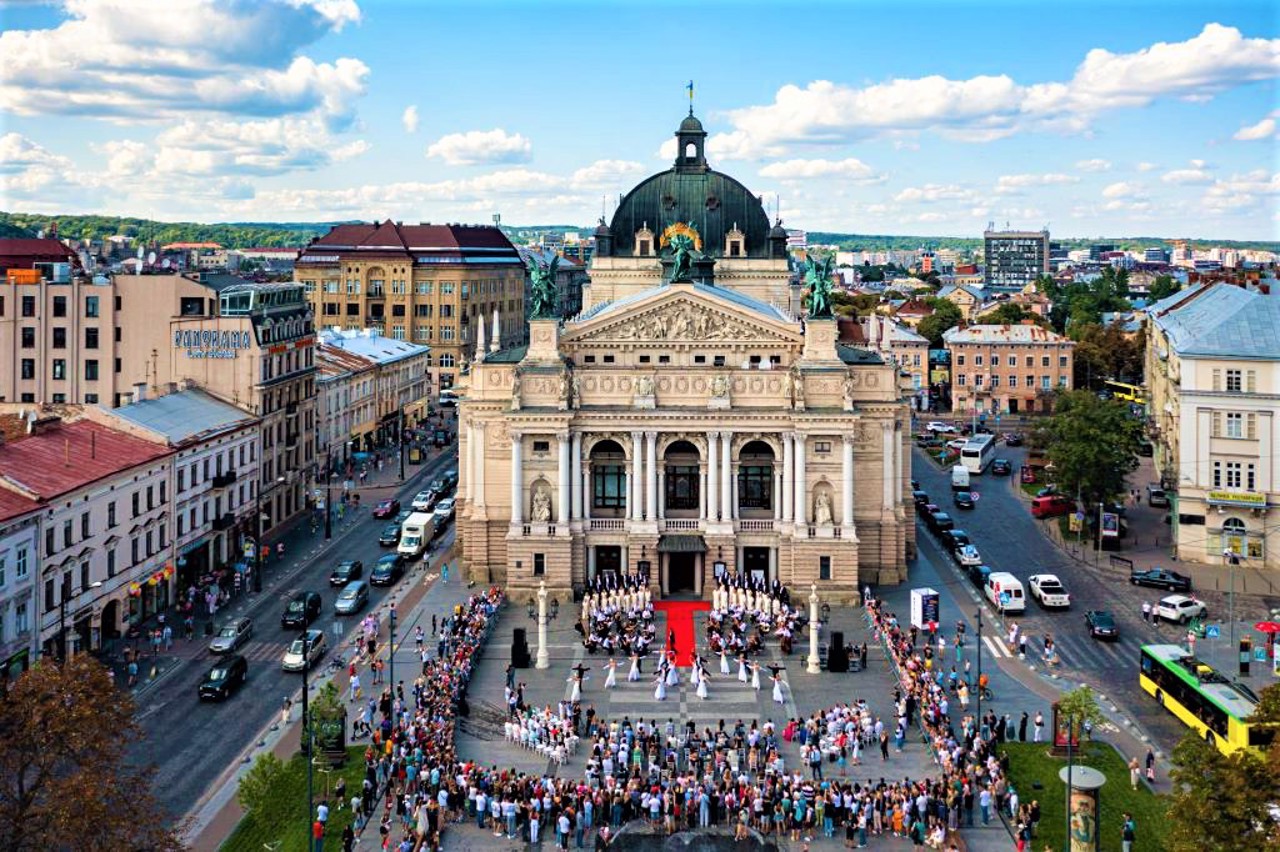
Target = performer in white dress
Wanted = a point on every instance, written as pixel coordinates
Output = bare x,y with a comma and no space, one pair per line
724,663
611,679
673,676
634,674
696,671
576,680
660,691
755,676
702,685
776,676
742,669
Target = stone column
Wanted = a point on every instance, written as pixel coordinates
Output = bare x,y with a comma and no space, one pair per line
586,489
847,473
713,477
777,492
517,478
802,499
788,493
888,456
575,474
735,502
636,494
726,471
662,494
562,491
544,656
702,491
651,475
815,664
591,564
476,451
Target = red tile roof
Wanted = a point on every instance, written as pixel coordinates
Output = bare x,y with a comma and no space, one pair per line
13,505
71,455
392,236
21,253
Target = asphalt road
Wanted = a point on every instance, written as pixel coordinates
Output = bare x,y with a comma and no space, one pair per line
192,743
1009,539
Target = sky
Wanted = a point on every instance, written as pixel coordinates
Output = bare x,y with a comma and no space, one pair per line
1093,119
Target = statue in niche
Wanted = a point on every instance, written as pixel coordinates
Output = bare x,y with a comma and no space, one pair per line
565,388
515,390
720,387
788,389
541,505
644,386
848,392
822,509
575,388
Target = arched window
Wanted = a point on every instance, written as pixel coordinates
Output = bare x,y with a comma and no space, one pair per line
691,151
1234,536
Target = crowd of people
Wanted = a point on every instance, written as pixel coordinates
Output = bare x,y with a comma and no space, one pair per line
745,611
617,617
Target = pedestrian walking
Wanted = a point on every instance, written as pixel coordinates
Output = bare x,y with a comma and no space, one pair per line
1022,647
1022,727
1151,766
444,572
1133,772
1128,833
1146,611
167,634
1039,725
286,710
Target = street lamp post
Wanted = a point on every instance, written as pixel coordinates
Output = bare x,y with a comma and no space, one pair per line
391,651
978,615
402,444
306,730
544,657
260,544
328,496
815,664
1232,560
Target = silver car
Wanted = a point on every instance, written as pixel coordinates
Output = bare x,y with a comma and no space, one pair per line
353,598
231,636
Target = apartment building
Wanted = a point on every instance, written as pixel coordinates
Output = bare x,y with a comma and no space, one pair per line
1213,374
105,558
1014,259
19,554
1007,369
427,284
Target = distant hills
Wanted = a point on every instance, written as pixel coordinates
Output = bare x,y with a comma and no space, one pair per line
296,234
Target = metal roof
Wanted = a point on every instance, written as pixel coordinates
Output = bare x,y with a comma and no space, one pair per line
1003,334
1221,321
183,416
371,345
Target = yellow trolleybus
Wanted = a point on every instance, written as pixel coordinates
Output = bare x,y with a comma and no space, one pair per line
1203,698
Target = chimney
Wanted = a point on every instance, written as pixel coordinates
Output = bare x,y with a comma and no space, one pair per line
93,445
139,391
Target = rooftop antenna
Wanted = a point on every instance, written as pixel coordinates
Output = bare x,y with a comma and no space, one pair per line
497,220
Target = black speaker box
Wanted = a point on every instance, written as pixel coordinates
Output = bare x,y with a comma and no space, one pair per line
837,659
519,649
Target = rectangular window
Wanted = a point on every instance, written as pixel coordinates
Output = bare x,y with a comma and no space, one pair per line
91,338
28,337
50,602
1044,361
960,360
978,380
609,486
59,306
91,306
1250,477
111,563
1234,475
962,379
28,368
1013,360
1235,424
1044,382
67,534
21,619
28,306
1013,381
977,360
84,525
1062,361
59,369
824,567
91,371
995,381
1031,362
182,479
1235,381
20,564
137,503
3,571
539,564
91,399
1217,474
755,486
111,514
59,338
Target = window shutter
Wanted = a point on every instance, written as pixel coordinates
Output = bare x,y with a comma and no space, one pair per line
1251,426
1216,430
1251,381
1217,379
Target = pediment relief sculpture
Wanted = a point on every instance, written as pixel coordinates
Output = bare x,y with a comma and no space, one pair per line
682,321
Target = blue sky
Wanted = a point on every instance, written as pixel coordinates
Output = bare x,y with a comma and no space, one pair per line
932,119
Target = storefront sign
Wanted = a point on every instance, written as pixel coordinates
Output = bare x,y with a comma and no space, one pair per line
210,343
1247,499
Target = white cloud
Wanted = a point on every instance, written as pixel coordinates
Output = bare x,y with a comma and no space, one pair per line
606,173
850,170
126,157
1014,184
31,172
1147,167
481,146
271,147
932,193
983,108
1122,189
1197,174
410,119
1241,192
1264,129
150,59
1095,165
723,146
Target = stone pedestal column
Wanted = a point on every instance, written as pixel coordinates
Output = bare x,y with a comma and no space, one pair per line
713,476
726,487
565,479
544,656
802,498
651,475
788,492
517,478
847,477
575,473
814,663
635,498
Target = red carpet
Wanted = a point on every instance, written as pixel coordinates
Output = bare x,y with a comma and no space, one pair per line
680,620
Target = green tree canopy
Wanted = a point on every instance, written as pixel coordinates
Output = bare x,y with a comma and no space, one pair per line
1106,352
1163,287
1080,705
1093,444
1011,313
945,316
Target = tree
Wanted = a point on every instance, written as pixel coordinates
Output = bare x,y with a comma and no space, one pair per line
256,787
1105,352
1221,802
1080,706
1011,313
1093,444
63,775
1163,287
945,316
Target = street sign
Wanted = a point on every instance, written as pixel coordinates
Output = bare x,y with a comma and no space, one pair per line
1213,631
1004,599
249,550
975,495
1260,655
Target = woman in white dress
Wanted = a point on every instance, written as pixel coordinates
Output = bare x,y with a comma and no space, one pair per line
576,680
702,684
634,674
660,691
695,672
724,663
778,694
611,679
742,669
673,676
755,676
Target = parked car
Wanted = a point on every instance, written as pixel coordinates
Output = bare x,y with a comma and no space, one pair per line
954,539
224,677
963,499
939,426
386,508
1157,497
926,509
1161,578
233,633
978,574
957,443
450,479
402,516
1101,625
1048,591
444,514
423,501
968,556
920,498
1012,439
1052,506
1180,608
301,610
1001,467
941,522
390,536
352,599
305,651
347,570
387,571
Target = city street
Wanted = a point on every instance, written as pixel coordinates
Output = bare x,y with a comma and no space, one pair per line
193,743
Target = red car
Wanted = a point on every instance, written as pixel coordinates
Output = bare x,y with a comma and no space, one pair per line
387,509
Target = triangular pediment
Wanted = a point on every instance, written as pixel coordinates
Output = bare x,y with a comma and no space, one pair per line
684,315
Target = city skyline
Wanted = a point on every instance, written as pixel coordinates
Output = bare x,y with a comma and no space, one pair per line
1141,120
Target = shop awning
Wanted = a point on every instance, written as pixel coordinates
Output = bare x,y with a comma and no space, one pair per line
682,544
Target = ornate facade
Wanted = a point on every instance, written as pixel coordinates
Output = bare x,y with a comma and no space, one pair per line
681,425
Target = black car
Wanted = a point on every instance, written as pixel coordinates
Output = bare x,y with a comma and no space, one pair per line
1001,467
941,522
390,535
1013,439
978,574
920,497
387,571
915,485
1101,625
224,677
303,609
347,570
963,499
1160,578
955,539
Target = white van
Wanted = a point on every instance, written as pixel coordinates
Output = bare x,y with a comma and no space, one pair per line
959,478
415,534
1005,592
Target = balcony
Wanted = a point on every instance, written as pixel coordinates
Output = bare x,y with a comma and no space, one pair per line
375,319
224,522
756,525
291,410
680,525
291,440
222,480
608,524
